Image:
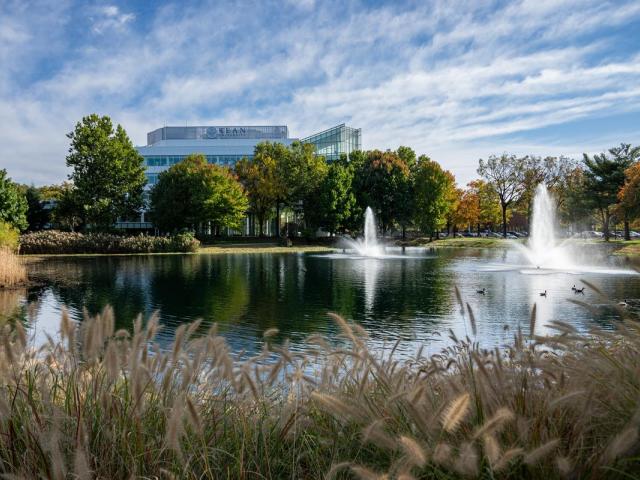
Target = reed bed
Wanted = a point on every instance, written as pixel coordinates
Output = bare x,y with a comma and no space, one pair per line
12,270
99,403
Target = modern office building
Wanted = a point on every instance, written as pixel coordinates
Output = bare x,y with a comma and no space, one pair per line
335,141
225,145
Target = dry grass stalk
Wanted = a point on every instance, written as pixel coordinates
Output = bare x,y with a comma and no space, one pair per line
456,412
12,269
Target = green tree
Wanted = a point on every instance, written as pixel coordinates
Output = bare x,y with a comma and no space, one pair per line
68,212
432,186
262,182
380,181
302,172
335,200
506,175
604,177
194,193
108,172
37,216
13,203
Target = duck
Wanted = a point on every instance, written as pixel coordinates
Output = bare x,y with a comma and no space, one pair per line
543,294
573,288
579,290
623,304
482,292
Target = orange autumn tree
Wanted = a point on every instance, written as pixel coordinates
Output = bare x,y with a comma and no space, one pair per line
629,194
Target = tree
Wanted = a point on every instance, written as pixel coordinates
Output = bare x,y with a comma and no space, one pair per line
301,173
108,172
335,199
552,171
505,174
262,182
13,204
380,182
37,216
432,186
625,154
194,193
629,195
604,177
68,212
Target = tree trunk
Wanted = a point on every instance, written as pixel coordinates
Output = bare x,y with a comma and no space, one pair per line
404,232
277,219
627,233
260,225
504,219
606,217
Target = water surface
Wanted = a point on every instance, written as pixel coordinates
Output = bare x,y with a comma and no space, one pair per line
409,296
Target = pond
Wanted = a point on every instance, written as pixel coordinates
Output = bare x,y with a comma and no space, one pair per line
408,296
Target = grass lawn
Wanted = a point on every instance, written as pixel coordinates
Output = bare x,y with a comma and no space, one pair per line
465,242
261,248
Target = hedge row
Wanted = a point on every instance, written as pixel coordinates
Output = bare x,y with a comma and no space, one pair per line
56,242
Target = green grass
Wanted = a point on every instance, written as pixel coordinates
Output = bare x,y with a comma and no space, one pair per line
464,242
113,404
222,249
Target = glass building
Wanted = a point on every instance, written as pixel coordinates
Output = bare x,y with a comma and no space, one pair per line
225,145
335,141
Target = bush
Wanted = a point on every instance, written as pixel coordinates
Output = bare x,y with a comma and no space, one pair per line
56,242
9,236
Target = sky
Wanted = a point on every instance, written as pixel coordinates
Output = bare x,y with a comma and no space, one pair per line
456,80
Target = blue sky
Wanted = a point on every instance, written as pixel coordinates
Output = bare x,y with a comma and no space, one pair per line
455,80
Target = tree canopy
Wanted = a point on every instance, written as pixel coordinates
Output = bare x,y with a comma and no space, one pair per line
194,193
108,172
433,186
13,203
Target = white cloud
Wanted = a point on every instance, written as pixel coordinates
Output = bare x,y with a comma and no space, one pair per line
444,77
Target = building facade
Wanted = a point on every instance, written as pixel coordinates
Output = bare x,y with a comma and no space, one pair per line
225,145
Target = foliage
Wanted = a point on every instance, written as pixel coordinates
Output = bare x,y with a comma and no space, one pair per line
56,242
68,210
94,403
9,237
604,177
13,204
108,172
193,193
37,216
335,201
261,180
629,194
380,182
506,175
433,199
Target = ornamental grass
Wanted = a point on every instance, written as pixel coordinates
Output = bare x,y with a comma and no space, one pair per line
99,403
12,271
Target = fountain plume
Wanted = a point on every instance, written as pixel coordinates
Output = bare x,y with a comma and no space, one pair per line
366,246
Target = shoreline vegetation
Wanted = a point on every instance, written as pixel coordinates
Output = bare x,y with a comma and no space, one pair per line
113,404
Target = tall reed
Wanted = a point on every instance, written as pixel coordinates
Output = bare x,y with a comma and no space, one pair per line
12,270
102,403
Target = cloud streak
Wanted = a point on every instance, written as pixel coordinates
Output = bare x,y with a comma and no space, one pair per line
452,79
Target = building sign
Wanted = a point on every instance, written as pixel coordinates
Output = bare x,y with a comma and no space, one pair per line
225,132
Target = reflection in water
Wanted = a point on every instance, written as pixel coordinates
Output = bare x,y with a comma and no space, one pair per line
411,298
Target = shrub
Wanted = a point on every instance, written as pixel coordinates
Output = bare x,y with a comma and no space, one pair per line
56,242
114,404
9,236
12,271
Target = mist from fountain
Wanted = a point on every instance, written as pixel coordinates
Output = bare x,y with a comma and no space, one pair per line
543,248
366,246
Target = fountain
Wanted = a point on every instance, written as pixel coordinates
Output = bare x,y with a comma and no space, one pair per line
543,249
368,245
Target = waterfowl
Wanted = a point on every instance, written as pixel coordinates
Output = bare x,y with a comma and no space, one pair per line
543,294
482,292
573,288
579,290
623,304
